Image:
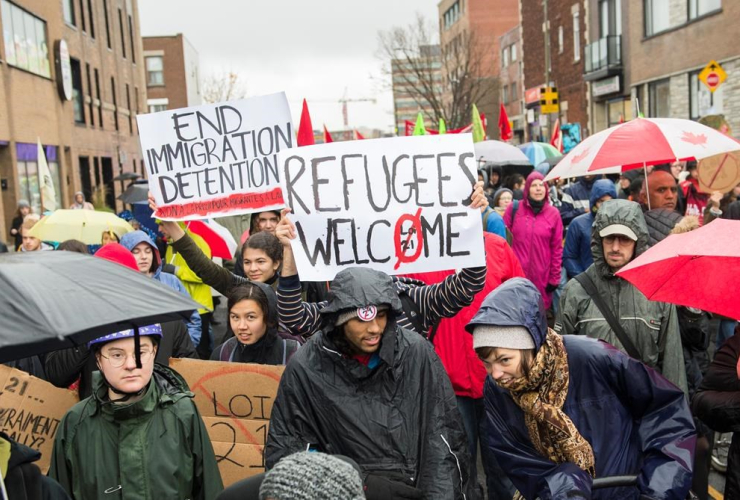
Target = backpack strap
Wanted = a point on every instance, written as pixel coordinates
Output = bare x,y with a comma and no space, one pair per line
485,218
227,350
590,288
513,211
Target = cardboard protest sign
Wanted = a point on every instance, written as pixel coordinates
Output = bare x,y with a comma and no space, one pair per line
398,205
235,401
31,409
216,159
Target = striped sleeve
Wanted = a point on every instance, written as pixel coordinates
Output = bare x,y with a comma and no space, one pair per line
446,299
299,317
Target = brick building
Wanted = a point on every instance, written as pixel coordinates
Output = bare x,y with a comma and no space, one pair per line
567,36
172,73
512,81
485,21
72,78
697,30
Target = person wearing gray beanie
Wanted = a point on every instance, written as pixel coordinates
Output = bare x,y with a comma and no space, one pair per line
312,476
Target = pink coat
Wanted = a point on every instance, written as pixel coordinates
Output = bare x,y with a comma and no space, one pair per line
537,240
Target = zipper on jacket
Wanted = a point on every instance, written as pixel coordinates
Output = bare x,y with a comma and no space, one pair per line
459,470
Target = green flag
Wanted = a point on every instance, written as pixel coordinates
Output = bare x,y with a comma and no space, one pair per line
419,128
442,126
478,133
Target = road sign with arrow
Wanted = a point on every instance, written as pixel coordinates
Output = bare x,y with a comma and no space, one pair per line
712,76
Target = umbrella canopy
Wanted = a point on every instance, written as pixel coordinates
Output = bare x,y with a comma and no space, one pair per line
57,300
126,176
135,194
696,269
537,152
499,153
641,142
217,237
86,226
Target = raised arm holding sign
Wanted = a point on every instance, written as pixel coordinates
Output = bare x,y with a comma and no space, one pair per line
216,159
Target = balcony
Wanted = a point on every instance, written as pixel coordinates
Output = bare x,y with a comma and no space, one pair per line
603,58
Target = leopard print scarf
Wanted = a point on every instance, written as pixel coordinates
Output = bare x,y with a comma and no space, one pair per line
541,396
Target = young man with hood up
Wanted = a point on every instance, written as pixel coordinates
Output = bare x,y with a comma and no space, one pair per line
367,389
149,263
619,235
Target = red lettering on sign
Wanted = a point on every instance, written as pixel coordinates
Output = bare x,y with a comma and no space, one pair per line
402,247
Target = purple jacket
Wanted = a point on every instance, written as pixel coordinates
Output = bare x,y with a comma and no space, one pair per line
537,240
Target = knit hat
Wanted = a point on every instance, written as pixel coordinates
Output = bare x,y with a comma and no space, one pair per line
498,194
362,313
23,204
508,337
115,252
312,476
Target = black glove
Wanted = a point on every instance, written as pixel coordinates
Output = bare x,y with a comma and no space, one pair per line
382,488
551,288
169,269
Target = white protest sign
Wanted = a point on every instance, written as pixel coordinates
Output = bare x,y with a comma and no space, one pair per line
398,205
216,159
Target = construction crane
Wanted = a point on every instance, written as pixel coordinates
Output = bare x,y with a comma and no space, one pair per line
344,100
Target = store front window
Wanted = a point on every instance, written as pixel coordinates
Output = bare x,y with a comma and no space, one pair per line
28,172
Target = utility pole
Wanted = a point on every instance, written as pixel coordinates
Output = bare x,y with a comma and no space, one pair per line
546,30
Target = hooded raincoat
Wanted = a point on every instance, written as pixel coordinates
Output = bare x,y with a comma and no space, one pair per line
652,326
400,417
130,240
577,251
537,240
269,350
636,422
153,449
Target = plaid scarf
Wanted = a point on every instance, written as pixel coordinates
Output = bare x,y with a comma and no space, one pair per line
541,396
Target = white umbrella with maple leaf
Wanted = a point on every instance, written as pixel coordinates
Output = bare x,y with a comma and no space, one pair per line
642,142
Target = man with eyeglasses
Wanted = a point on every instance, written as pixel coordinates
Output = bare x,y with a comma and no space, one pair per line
620,234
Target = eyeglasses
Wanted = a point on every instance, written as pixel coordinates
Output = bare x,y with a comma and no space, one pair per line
622,239
118,358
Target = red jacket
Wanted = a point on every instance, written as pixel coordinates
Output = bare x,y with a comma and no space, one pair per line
453,344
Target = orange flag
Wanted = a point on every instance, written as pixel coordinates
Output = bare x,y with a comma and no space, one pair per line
305,129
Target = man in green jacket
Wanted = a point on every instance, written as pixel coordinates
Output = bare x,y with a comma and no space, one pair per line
620,234
139,436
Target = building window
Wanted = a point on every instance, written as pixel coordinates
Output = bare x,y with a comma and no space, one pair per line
78,99
702,101
154,70
28,174
136,99
451,15
82,15
505,57
25,40
100,100
698,8
90,94
513,53
659,94
91,13
560,40
130,112
513,93
505,94
657,16
123,33
107,23
157,105
68,11
131,38
576,36
115,101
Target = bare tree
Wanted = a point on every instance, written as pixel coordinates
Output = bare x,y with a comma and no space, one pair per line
444,81
224,86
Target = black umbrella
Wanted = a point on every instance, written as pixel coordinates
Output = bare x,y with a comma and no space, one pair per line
126,176
56,300
135,194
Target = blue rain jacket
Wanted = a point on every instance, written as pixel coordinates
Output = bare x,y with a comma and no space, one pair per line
636,421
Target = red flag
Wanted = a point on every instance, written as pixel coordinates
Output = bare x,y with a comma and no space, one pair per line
358,136
327,136
305,129
503,125
557,137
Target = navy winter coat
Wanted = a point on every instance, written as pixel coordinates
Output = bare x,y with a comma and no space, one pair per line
577,251
636,421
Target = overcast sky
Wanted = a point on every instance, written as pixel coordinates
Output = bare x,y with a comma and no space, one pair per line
311,49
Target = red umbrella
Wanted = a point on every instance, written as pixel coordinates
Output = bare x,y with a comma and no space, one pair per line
217,237
697,269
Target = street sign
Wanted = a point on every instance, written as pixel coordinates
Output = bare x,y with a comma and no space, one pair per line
713,76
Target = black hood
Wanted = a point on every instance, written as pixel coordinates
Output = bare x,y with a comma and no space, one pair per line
361,287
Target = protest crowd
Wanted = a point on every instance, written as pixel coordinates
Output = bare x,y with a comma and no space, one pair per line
485,341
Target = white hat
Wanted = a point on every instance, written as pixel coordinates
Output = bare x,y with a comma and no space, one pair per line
508,337
618,229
